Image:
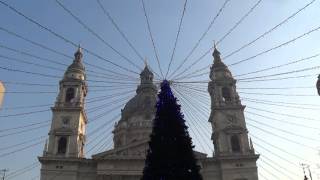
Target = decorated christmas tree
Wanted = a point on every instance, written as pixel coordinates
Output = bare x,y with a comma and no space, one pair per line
170,155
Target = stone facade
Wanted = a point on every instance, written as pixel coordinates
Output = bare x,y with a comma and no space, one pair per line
234,157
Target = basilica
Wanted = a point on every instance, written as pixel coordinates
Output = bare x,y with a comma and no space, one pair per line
64,157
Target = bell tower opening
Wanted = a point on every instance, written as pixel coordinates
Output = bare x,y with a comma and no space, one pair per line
226,95
70,94
62,145
235,144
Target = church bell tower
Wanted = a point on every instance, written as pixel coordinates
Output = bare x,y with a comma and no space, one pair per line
232,147
67,132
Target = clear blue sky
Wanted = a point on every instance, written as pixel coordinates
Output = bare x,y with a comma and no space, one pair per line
164,17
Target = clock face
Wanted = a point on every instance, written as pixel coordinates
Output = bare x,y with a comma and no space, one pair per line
65,122
232,119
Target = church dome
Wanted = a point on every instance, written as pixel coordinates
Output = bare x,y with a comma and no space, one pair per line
140,105
136,117
135,124
76,66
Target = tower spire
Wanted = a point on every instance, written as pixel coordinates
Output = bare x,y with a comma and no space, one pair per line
216,56
78,54
76,70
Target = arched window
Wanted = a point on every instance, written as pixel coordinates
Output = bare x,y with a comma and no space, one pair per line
69,94
235,144
62,145
226,94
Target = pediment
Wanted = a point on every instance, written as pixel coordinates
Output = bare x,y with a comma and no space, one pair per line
136,149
